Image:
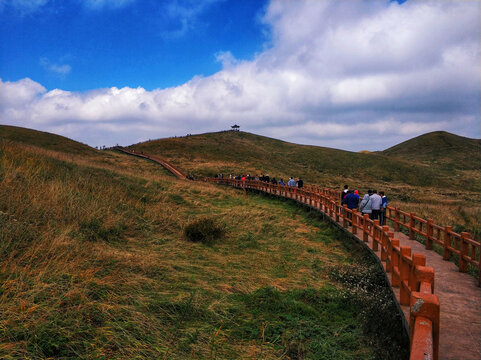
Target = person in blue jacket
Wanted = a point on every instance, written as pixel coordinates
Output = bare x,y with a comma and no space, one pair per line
352,201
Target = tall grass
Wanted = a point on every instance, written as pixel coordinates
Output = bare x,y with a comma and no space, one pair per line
95,265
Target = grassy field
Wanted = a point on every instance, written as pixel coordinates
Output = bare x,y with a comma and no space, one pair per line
96,265
437,175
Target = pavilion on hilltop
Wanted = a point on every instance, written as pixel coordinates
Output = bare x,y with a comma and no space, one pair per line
235,127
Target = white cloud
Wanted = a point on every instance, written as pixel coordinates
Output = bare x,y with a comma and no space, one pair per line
57,69
348,74
183,14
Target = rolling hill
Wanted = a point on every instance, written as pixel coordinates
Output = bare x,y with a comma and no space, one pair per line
440,149
242,152
45,140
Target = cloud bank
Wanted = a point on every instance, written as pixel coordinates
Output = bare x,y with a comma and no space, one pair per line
354,75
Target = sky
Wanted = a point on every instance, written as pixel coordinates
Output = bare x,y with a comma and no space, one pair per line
348,74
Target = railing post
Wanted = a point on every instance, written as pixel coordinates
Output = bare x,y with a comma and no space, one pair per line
396,219
424,279
389,252
404,291
447,242
344,216
429,234
384,236
418,260
375,235
354,221
411,225
365,229
463,264
395,281
424,307
336,211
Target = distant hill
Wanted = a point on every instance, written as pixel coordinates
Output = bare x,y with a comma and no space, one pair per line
44,140
241,152
441,149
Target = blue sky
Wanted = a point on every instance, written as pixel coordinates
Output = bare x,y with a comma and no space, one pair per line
76,46
348,74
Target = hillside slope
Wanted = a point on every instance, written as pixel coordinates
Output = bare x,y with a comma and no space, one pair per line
95,265
441,149
44,140
242,152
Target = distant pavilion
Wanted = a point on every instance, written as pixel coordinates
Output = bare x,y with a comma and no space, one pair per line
235,127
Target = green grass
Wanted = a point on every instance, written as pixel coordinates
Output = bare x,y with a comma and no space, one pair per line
44,140
95,266
241,152
440,149
430,175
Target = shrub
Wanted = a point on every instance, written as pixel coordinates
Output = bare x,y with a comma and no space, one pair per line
204,230
94,230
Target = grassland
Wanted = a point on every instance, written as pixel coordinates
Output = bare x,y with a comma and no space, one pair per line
437,175
95,265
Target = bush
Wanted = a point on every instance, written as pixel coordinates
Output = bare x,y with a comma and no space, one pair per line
204,230
94,230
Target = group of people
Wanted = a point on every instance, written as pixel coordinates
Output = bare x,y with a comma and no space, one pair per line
299,183
372,203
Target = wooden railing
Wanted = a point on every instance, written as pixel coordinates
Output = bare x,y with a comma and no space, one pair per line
467,249
175,171
407,271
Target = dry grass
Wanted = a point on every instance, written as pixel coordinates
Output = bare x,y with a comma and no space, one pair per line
94,263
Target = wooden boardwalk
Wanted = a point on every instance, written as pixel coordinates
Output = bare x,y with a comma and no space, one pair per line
460,299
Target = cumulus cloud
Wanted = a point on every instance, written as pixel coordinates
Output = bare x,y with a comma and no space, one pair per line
355,75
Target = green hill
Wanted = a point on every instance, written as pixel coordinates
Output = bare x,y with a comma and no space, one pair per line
44,140
440,149
241,152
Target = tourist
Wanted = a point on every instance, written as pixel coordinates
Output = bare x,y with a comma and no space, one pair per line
352,201
366,204
384,203
376,202
300,183
356,192
291,182
281,182
344,192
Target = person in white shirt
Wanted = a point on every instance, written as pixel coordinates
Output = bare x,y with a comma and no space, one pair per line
376,202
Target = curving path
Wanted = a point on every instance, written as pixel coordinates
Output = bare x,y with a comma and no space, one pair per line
175,171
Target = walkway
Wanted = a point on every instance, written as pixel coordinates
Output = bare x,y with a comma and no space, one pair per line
175,171
460,299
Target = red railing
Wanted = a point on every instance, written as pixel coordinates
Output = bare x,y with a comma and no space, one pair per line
467,249
407,271
175,171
